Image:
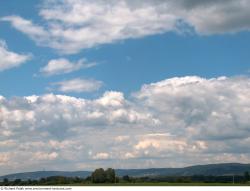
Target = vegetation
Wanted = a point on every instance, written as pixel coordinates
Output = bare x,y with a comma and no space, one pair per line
108,177
101,176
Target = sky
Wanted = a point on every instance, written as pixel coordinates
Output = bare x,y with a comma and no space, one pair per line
123,84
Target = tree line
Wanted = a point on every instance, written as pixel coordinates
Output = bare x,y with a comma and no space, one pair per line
98,176
109,176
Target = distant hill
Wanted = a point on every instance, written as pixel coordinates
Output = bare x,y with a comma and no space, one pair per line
210,169
43,174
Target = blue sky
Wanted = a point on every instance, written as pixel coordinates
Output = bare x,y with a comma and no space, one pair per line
129,64
135,75
125,65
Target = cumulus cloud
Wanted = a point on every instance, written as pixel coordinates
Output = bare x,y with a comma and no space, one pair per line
200,106
63,66
72,25
78,85
58,130
11,59
174,122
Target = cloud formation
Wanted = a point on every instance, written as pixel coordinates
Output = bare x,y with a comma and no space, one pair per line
174,122
78,85
11,59
73,25
63,66
203,107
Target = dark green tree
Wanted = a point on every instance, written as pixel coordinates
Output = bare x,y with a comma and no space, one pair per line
5,181
246,176
117,179
98,176
126,178
88,179
29,182
110,175
17,181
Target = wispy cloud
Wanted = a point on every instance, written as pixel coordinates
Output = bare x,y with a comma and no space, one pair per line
11,59
63,66
78,85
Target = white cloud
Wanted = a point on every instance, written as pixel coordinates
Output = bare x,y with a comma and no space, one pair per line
129,155
78,85
4,158
112,99
121,138
174,122
63,66
45,156
73,25
25,26
200,106
11,59
101,156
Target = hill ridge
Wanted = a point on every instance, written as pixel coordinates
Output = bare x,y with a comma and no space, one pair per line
218,169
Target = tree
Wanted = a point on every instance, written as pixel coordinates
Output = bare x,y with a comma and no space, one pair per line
246,176
101,176
110,175
17,181
126,178
117,179
5,181
29,182
98,176
88,178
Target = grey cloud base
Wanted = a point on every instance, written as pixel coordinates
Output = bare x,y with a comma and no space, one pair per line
174,122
